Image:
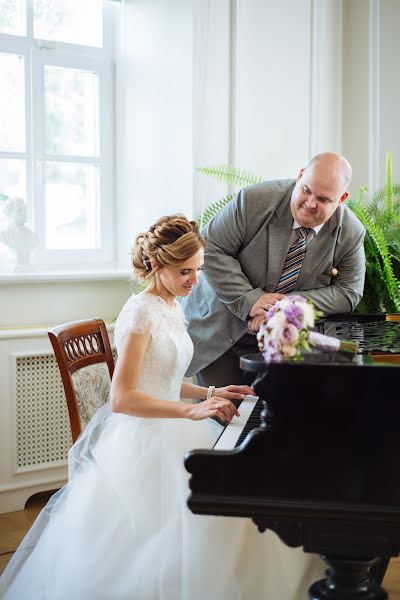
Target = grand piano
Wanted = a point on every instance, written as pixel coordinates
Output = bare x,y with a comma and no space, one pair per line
317,458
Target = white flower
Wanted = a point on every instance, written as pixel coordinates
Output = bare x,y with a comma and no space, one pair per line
309,315
277,320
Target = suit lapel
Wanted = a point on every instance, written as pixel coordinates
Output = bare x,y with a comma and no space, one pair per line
278,244
279,232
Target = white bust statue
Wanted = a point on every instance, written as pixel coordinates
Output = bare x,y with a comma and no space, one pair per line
17,235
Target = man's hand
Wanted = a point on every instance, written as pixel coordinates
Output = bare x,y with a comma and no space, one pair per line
264,303
254,323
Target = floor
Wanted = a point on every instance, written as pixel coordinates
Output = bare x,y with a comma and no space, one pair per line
13,527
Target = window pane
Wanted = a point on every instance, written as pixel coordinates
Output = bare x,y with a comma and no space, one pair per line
13,182
12,177
12,103
71,100
74,22
71,206
12,17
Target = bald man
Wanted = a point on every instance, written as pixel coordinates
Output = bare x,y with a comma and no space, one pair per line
248,268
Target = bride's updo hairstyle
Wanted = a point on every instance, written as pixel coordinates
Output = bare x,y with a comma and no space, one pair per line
170,241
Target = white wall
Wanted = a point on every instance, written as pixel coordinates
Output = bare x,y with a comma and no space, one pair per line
371,98
326,76
389,84
213,96
356,73
273,86
277,99
50,303
153,116
207,83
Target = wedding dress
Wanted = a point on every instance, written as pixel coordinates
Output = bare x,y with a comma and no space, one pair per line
121,530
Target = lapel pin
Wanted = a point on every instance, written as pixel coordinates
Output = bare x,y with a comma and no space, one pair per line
334,271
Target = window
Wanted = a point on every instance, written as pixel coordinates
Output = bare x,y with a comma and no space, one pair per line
56,125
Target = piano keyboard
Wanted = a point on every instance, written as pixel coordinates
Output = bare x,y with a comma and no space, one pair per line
234,433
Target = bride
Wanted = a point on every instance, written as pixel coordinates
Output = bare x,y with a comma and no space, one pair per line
120,529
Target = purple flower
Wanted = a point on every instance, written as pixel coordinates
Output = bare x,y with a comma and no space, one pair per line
288,335
297,298
271,352
294,315
284,334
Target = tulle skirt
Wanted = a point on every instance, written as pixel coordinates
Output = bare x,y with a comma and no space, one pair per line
121,530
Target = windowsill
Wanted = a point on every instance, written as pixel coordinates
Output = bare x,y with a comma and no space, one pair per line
61,276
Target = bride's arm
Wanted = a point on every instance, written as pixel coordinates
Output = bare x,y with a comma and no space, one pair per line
229,392
126,398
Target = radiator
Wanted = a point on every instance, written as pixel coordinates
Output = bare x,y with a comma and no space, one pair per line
42,425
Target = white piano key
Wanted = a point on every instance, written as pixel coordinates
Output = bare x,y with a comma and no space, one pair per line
231,433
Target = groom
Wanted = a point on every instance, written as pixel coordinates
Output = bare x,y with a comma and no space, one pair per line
249,265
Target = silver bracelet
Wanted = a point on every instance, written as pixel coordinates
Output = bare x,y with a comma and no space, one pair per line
210,391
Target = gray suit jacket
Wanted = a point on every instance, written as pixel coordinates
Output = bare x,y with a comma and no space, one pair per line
246,248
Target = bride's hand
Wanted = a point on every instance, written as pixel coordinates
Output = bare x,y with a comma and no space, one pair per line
234,392
213,407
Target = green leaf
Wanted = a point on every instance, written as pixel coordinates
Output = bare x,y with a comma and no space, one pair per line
231,175
212,210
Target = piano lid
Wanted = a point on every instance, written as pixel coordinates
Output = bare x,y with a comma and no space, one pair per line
255,363
374,333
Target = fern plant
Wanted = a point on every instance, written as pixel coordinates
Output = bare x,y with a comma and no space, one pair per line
230,175
380,216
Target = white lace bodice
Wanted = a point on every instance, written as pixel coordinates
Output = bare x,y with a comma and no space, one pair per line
170,349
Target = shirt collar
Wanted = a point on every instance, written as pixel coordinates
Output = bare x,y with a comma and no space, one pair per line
315,229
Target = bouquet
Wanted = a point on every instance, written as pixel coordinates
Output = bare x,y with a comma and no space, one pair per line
286,333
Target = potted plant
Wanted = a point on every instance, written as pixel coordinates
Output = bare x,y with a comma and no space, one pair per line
380,215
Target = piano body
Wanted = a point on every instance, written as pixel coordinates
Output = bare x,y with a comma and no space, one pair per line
319,466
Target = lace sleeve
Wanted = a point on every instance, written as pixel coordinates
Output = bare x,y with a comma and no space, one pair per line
135,317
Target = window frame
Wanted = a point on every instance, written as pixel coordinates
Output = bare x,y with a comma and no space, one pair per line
37,55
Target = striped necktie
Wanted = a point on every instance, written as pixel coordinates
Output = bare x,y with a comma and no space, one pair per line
293,262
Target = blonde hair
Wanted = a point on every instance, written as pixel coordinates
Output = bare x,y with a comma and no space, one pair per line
171,240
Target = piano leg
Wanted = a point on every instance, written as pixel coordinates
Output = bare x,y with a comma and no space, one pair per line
348,578
379,570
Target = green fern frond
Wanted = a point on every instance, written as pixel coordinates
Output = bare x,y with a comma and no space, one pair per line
385,203
389,186
377,206
362,193
231,175
378,238
214,208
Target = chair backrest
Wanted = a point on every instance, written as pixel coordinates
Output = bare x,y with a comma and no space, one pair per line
86,364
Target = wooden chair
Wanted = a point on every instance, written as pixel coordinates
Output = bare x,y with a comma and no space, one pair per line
85,360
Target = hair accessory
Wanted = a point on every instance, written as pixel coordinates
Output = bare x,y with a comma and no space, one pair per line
146,262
